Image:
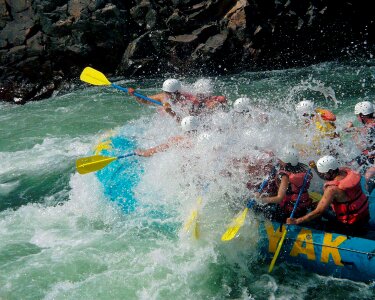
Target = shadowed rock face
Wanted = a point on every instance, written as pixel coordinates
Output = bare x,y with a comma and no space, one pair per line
44,44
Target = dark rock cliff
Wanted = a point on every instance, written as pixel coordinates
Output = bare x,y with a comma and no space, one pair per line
46,43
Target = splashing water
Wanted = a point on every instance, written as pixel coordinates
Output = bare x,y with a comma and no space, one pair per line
60,238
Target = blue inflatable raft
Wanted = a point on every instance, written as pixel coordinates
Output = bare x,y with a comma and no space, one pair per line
120,177
322,252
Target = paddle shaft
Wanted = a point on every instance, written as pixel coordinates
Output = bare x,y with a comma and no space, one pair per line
127,155
252,202
300,192
280,244
136,94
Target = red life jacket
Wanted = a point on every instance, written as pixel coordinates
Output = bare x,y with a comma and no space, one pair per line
219,99
188,99
295,185
357,207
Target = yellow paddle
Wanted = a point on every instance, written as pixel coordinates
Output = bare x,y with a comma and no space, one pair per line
281,241
192,223
235,225
96,77
96,162
239,220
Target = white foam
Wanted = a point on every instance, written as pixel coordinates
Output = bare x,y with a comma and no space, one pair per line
6,188
52,153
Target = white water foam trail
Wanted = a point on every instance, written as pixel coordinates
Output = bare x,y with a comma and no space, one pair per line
52,153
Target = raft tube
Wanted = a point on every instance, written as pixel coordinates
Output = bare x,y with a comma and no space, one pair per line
121,176
325,253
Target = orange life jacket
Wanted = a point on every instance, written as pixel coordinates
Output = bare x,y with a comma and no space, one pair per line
188,99
357,206
211,101
219,99
295,185
326,114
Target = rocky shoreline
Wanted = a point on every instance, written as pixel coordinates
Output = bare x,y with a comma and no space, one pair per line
44,45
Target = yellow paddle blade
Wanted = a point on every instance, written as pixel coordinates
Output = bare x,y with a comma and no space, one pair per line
235,226
93,163
315,196
192,221
105,145
277,251
94,77
196,233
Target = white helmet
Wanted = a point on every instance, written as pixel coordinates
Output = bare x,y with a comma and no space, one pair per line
364,108
203,86
189,123
242,105
171,86
326,163
305,107
289,156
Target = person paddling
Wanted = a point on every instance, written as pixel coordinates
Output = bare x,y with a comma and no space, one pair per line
171,94
342,191
189,125
183,103
325,137
365,140
289,180
324,119
203,90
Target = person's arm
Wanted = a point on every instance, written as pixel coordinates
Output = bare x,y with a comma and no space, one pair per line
152,151
280,193
214,101
160,148
324,203
167,108
157,97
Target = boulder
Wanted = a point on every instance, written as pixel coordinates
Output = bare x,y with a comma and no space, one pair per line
139,57
18,6
39,38
4,14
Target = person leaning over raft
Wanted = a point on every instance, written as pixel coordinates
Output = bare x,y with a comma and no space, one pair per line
189,125
171,93
322,123
186,103
366,140
342,190
245,113
289,180
324,119
204,92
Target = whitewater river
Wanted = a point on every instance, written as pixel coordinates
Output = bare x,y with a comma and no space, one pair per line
61,238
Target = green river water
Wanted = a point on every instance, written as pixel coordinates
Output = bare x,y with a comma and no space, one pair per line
61,239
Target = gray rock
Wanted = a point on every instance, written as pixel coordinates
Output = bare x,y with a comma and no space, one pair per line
4,14
44,39
18,5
